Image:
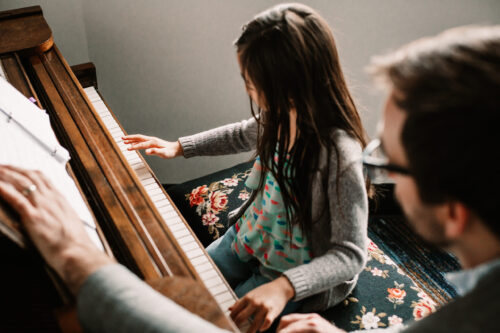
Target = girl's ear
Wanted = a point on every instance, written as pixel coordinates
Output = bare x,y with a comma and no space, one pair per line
456,219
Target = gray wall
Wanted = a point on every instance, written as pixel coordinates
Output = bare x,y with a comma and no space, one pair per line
66,21
168,68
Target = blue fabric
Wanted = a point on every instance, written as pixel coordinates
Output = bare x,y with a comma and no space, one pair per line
241,276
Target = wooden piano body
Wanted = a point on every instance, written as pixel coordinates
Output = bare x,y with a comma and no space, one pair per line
144,231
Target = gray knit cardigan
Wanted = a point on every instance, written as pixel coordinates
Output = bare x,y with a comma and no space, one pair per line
339,235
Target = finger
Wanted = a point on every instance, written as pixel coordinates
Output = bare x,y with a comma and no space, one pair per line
15,199
257,321
135,137
268,320
34,176
296,327
141,145
288,319
238,306
13,176
127,142
243,314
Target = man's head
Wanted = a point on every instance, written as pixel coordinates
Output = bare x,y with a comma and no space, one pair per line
442,123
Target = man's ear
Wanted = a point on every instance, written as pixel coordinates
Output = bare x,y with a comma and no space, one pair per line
456,219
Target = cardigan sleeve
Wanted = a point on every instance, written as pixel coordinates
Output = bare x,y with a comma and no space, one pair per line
113,299
229,139
344,254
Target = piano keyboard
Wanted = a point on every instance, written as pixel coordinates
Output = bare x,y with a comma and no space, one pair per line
197,256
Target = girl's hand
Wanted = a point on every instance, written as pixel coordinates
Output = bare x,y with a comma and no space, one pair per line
265,303
306,323
153,145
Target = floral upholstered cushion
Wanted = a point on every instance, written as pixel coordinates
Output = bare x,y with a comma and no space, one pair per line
384,295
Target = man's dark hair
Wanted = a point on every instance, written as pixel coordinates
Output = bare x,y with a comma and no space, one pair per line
449,85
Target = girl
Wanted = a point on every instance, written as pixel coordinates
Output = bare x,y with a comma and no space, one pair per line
301,237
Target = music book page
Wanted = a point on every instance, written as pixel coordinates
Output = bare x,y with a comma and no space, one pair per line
29,142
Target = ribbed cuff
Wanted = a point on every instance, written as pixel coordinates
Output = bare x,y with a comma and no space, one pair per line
299,283
188,146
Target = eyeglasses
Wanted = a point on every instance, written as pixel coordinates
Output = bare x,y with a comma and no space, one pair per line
377,164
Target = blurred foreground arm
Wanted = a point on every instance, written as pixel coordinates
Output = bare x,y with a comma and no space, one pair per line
110,298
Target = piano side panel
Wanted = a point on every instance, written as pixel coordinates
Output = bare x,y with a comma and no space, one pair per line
126,243
118,172
17,76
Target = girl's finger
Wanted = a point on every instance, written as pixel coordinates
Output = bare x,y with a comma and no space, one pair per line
238,306
268,321
141,145
134,137
257,321
244,314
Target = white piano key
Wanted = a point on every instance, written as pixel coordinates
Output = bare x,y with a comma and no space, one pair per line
99,105
173,221
203,267
166,209
171,214
208,274
213,281
176,227
180,233
223,297
148,181
225,305
190,246
193,253
135,161
158,197
163,203
218,289
155,192
188,239
151,186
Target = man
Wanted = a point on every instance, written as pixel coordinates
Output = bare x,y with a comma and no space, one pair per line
440,140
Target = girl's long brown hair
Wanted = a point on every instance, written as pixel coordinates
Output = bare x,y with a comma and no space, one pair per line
288,53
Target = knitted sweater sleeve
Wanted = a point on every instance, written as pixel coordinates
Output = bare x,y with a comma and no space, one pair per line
229,139
113,299
345,247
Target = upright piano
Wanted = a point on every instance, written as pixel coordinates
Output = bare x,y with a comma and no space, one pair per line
136,220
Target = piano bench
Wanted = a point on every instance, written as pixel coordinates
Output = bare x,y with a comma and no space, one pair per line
385,294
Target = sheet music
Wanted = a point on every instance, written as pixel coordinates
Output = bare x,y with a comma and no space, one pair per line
29,142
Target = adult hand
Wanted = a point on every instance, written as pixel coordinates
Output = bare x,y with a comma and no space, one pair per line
51,223
153,145
306,323
264,303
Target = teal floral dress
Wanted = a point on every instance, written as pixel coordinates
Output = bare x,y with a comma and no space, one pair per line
262,231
